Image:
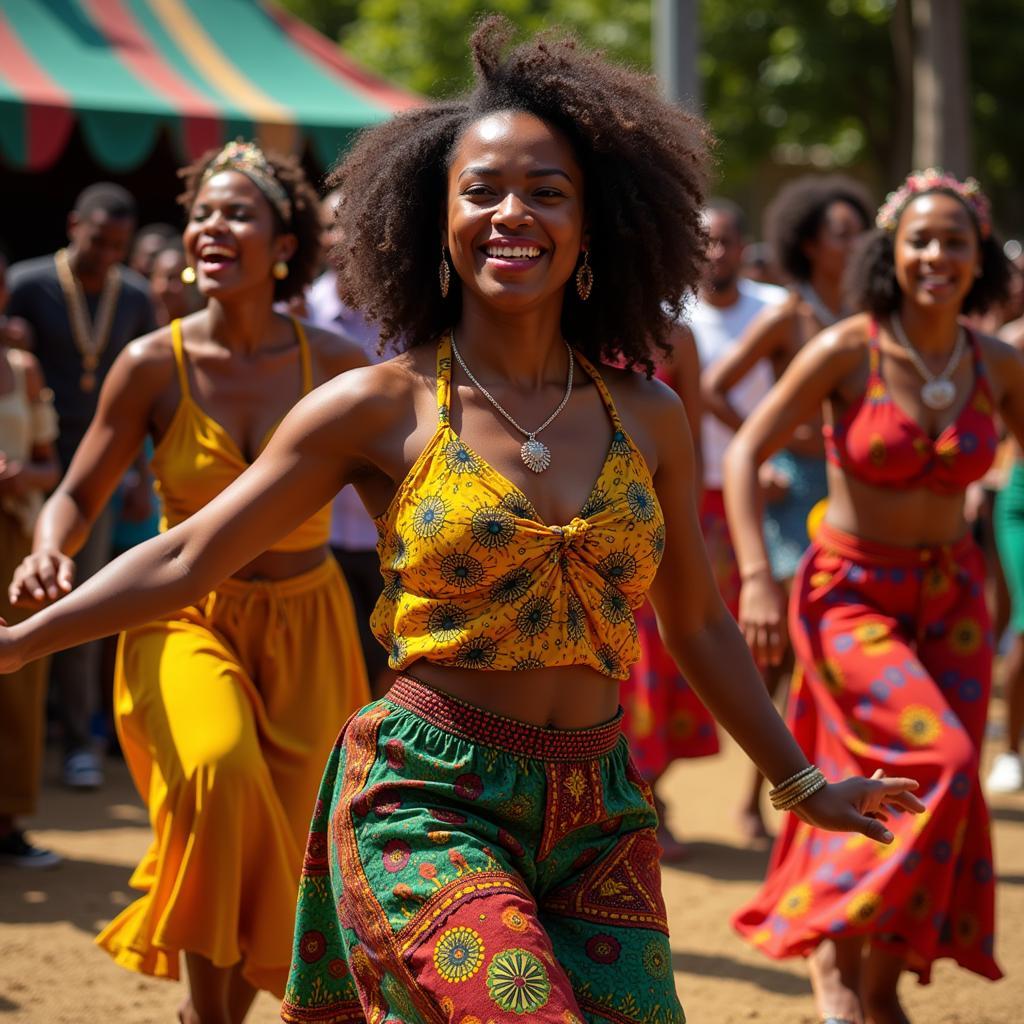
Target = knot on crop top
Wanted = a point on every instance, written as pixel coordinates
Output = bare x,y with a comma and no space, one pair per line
197,458
473,578
877,442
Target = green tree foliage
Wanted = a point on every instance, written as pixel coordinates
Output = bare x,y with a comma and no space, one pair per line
787,84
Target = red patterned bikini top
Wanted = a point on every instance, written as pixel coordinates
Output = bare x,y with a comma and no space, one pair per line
877,442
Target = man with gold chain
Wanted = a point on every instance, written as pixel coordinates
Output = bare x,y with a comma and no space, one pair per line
84,307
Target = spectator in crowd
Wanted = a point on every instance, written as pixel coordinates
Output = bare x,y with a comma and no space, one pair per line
172,298
83,308
28,467
150,241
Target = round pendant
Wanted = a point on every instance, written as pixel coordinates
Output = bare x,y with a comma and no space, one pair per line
938,394
536,455
87,382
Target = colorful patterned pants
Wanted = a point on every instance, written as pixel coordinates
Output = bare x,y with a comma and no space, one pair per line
468,868
896,657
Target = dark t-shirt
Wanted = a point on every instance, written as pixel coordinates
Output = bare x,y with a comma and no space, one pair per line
36,295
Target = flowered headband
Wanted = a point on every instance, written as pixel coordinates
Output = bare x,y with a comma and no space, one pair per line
934,179
247,158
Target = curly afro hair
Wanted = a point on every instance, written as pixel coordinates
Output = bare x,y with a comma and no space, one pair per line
643,161
871,284
796,214
305,221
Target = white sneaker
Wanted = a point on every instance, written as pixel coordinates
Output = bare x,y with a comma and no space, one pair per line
1006,775
82,770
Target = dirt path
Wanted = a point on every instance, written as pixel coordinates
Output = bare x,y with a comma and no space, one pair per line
50,973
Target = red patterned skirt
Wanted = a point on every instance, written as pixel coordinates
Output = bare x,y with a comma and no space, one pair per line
895,650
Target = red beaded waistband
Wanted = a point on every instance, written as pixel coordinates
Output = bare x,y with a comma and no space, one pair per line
479,725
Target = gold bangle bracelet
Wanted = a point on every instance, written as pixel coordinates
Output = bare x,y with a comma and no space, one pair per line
799,798
779,790
797,792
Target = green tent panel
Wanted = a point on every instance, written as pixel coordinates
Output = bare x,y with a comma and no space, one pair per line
204,70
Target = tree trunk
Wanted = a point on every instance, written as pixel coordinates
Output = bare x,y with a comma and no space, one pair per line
941,121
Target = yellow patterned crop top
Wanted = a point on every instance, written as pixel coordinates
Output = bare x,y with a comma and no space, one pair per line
197,458
474,579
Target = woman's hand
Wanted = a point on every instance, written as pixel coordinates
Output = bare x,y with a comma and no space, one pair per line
773,482
41,578
763,617
860,805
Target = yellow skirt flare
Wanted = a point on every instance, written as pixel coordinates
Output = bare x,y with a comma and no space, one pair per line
227,711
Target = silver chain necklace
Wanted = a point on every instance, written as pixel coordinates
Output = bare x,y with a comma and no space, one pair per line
535,454
821,312
938,392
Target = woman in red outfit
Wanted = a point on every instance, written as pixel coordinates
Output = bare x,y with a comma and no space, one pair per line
887,615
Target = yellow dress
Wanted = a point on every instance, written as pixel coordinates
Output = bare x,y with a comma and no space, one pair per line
226,711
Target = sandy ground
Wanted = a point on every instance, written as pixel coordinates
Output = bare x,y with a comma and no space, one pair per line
50,971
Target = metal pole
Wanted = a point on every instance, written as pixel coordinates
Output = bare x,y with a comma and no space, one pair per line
941,117
674,24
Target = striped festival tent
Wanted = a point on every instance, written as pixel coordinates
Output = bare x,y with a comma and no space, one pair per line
125,72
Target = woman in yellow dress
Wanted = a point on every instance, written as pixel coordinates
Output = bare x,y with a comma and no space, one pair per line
226,707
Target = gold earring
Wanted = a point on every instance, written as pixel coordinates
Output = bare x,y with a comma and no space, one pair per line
445,274
585,278
188,275
280,270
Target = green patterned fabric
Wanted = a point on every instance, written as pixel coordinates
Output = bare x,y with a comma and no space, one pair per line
449,879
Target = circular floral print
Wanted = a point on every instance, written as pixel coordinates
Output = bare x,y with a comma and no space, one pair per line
514,919
603,949
396,855
656,963
518,982
458,954
469,786
312,946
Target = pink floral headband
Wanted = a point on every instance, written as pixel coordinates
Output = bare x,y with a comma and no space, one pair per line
934,179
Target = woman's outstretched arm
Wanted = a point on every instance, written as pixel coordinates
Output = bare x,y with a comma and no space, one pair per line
313,453
707,645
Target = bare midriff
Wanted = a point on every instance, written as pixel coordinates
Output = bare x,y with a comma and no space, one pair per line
281,565
573,697
904,518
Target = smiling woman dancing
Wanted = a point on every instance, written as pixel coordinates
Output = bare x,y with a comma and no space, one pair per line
482,845
887,614
226,706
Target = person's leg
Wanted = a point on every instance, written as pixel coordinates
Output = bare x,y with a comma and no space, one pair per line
75,674
601,904
22,694
835,968
240,996
879,983
208,986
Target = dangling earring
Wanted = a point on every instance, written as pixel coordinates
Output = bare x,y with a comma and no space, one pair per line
188,275
280,270
584,277
445,274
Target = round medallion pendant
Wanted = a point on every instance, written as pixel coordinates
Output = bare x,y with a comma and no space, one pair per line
536,455
938,394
